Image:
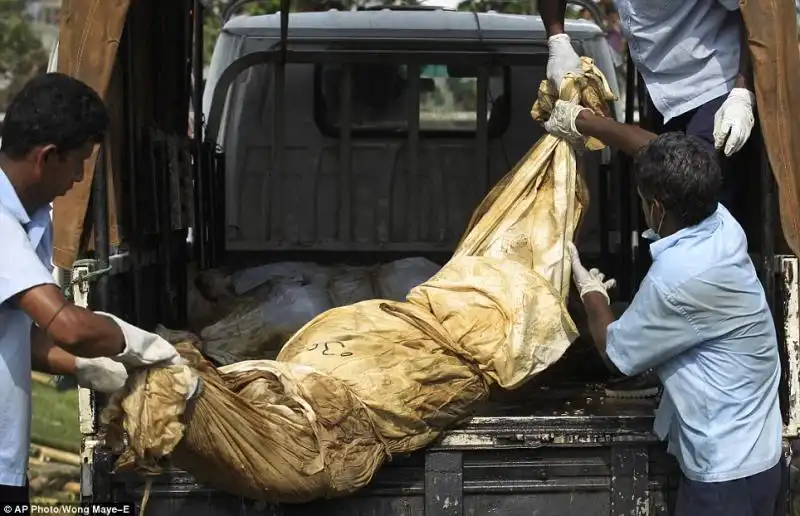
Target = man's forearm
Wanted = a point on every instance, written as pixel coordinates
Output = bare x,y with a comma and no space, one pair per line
552,13
87,334
599,316
744,79
80,332
46,357
627,138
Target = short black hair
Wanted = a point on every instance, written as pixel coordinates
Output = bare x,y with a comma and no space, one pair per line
53,109
682,172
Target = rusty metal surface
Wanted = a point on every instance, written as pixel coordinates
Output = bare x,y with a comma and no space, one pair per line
568,450
588,480
788,315
532,418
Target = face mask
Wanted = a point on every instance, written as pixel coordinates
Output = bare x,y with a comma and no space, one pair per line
651,234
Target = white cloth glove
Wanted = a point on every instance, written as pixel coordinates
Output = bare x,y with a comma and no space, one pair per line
562,121
101,374
143,348
561,60
734,121
588,280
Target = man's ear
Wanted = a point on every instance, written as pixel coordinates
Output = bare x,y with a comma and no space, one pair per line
657,206
40,155
48,151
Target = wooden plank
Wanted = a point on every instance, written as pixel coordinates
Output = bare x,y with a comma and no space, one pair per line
42,378
53,455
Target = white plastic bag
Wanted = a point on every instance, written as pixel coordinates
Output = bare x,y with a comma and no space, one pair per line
246,280
260,327
292,304
396,279
351,285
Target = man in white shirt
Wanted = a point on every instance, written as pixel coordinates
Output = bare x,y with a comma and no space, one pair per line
49,131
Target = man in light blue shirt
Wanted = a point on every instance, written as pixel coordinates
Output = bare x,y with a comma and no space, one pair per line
49,131
700,319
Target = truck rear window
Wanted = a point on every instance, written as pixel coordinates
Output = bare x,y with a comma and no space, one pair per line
380,96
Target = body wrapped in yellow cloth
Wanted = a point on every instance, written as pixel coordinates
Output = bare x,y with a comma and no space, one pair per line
361,382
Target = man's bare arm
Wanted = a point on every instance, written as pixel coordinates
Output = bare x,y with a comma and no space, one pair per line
599,316
48,358
552,12
627,138
79,331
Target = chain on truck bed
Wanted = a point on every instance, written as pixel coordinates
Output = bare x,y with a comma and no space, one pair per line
89,277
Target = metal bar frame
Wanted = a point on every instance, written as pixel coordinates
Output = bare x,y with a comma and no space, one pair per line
444,57
345,151
788,296
444,484
101,296
768,227
132,146
414,216
482,130
628,230
199,239
630,494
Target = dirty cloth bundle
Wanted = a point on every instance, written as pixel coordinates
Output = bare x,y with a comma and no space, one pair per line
361,382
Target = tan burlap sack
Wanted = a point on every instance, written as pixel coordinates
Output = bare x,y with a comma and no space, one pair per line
399,361
261,429
503,316
502,296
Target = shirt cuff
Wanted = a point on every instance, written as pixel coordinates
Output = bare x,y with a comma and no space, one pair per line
23,284
618,359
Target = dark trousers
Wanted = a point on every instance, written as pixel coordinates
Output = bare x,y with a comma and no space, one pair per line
740,172
15,496
756,495
700,122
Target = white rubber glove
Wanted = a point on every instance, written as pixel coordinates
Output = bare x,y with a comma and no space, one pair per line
588,280
562,121
143,348
561,60
734,121
101,374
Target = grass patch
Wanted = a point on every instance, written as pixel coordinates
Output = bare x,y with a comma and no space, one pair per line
54,421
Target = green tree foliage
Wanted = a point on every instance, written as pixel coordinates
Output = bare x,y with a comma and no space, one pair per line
21,52
500,6
213,19
514,7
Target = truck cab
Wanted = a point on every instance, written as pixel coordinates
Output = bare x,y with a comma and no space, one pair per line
369,136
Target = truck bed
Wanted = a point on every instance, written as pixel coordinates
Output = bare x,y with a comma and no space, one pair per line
572,451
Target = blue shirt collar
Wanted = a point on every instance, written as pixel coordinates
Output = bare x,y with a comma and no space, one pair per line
10,199
35,225
704,228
